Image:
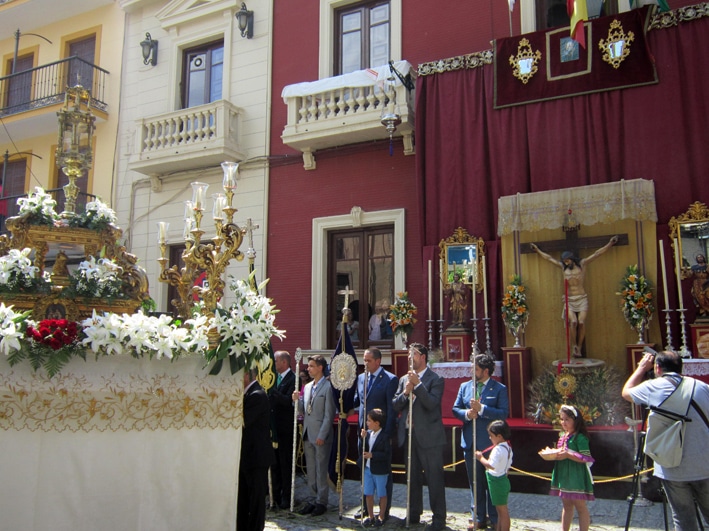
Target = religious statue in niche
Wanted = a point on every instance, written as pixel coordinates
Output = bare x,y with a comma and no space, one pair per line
457,291
700,286
574,270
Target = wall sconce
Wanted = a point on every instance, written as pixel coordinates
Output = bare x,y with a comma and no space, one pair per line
150,50
245,21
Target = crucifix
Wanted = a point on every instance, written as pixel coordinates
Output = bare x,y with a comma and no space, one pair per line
574,270
572,243
345,309
250,227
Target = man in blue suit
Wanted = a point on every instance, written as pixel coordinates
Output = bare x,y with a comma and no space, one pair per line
483,402
378,392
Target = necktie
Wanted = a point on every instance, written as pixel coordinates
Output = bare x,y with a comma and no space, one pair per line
279,380
479,389
370,382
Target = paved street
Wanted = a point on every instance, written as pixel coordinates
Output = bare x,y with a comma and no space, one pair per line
529,512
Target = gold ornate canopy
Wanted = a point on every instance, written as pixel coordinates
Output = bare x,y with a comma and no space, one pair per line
87,242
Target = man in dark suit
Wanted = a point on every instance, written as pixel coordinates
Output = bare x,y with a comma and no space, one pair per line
422,390
485,401
281,397
377,392
256,457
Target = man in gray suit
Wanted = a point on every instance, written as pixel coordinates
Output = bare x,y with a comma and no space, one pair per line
317,406
422,389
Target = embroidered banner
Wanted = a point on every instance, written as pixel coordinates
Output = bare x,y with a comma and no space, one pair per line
547,65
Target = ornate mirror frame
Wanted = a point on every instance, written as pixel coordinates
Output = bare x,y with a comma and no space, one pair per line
462,253
690,236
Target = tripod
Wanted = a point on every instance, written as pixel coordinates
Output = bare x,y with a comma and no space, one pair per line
635,485
637,469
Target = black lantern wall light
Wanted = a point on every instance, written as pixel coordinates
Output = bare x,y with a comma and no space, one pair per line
245,21
149,47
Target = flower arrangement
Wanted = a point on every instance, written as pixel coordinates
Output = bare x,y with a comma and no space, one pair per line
636,298
401,314
19,275
96,278
52,344
143,335
38,208
514,304
596,394
245,329
12,329
97,215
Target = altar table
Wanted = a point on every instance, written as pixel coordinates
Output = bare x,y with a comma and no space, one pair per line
455,373
696,368
119,444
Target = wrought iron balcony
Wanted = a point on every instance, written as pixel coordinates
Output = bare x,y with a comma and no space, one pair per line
348,109
187,139
44,85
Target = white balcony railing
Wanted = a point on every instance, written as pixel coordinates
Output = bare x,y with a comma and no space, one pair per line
187,139
348,109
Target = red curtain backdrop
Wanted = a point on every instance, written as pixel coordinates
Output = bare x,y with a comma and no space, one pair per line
469,155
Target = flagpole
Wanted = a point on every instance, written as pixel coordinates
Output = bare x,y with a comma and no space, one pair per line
364,433
343,368
509,16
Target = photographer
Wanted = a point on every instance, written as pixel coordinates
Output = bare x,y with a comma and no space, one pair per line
687,483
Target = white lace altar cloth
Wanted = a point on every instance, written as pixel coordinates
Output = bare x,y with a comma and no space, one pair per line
119,444
460,369
696,368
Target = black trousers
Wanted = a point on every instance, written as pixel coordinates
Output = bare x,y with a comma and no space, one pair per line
281,472
251,501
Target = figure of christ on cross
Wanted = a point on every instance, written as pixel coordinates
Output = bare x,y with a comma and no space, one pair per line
574,275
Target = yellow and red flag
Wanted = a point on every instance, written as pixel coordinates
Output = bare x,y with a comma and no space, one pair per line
578,12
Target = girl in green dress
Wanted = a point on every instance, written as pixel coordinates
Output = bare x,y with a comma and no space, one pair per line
571,479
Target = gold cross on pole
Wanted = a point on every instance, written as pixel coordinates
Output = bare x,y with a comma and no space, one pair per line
347,292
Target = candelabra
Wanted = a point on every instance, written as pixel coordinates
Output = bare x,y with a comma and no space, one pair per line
475,326
488,350
430,333
684,350
668,332
210,258
440,333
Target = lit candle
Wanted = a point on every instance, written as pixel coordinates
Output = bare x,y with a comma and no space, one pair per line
664,273
162,231
199,190
218,207
187,233
679,275
440,293
485,284
430,292
231,170
189,210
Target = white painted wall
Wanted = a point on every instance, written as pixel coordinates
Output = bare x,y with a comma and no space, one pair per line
147,91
